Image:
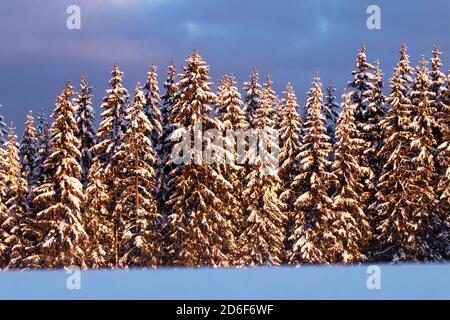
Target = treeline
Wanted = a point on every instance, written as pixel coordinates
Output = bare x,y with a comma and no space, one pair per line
366,179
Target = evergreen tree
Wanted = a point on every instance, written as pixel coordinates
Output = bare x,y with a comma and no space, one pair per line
332,109
406,194
290,141
166,187
136,209
101,193
86,133
200,233
12,243
3,129
43,151
152,108
234,129
3,170
27,154
262,241
64,239
313,241
273,100
350,224
367,115
253,96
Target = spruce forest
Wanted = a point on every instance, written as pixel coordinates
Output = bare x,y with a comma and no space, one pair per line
360,178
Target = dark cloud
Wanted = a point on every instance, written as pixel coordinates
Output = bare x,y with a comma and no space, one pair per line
292,40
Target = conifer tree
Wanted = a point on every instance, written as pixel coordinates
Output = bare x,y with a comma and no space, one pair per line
290,141
3,168
273,100
253,96
101,194
366,114
406,194
86,133
136,209
152,108
12,243
43,151
393,223
234,129
164,179
64,239
199,231
350,224
331,112
312,239
262,241
27,154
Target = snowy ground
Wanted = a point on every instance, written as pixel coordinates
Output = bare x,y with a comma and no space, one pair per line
397,282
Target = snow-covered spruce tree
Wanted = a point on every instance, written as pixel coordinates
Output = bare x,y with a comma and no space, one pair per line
433,234
350,224
272,98
43,151
27,155
101,198
3,129
332,109
136,208
234,129
13,245
438,87
361,94
262,241
405,192
393,225
253,96
290,132
166,187
86,132
3,169
443,187
312,238
200,232
64,238
152,108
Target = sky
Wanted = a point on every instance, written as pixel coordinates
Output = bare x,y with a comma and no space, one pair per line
290,39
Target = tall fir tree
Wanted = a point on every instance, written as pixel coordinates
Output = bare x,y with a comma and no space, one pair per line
166,186
366,117
85,124
152,107
234,129
332,109
350,223
405,189
27,155
13,246
141,223
290,142
3,169
253,96
199,230
262,241
64,239
312,238
101,194
43,150
273,100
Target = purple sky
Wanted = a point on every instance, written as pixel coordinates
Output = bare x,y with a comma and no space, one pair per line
291,40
